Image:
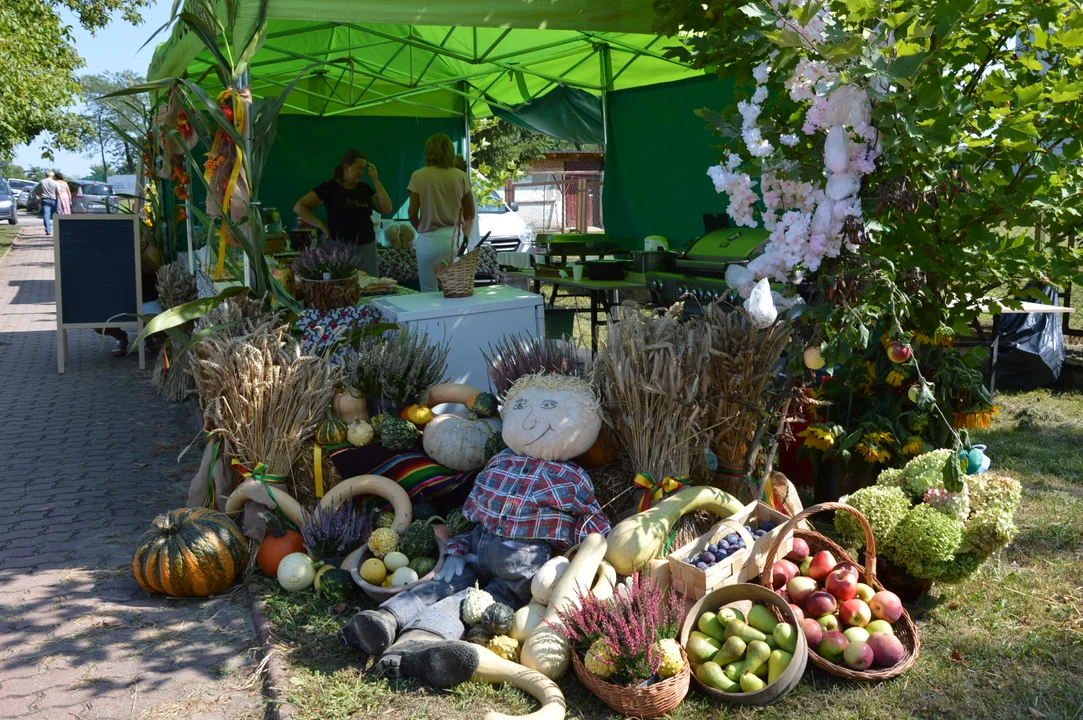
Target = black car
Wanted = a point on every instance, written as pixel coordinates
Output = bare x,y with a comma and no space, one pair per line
9,203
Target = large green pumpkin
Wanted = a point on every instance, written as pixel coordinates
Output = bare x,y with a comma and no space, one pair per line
191,552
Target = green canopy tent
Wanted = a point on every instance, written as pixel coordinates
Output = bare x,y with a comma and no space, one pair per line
414,69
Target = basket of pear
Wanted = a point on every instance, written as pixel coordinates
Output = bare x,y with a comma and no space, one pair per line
744,644
390,562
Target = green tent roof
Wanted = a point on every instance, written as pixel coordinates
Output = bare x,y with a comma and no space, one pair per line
439,58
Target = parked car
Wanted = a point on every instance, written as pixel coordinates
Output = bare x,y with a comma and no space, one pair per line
21,189
507,232
33,202
9,208
90,197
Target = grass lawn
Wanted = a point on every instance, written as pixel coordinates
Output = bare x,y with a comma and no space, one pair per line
1008,643
8,233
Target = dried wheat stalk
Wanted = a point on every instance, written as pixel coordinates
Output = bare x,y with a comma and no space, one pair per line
176,285
262,393
652,373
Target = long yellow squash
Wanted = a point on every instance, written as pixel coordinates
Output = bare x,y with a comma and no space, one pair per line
636,541
546,650
376,485
495,669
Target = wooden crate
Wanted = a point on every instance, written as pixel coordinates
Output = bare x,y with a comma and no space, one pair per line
742,566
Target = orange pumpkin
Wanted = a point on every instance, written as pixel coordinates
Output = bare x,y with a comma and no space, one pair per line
191,552
277,544
603,452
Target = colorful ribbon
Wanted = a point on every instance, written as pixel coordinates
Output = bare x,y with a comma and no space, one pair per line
235,171
259,472
654,490
317,468
165,360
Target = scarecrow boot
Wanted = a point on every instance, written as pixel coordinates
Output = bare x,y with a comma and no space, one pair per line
370,631
430,658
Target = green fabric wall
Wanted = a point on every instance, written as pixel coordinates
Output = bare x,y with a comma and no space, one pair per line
656,163
307,149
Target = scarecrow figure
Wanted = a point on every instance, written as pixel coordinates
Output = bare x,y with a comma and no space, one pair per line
529,502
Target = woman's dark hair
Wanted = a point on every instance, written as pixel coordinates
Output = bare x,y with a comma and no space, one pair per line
58,176
348,159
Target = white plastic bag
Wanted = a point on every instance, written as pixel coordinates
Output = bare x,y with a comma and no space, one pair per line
760,306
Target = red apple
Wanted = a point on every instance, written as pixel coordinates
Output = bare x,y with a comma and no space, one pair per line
832,646
858,656
886,605
820,603
829,623
822,563
800,588
865,592
842,583
782,572
813,632
782,593
899,353
848,565
800,551
798,612
855,613
814,359
887,649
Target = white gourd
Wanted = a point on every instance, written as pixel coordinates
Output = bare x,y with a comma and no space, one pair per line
546,578
296,572
459,440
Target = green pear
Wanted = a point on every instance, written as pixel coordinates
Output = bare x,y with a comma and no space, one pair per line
750,683
761,618
771,642
733,671
741,629
786,637
711,675
709,624
761,671
776,664
733,649
701,648
757,654
728,613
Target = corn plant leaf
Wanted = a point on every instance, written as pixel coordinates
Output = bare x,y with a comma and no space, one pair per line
188,312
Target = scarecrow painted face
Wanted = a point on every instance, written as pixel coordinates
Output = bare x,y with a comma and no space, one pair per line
549,424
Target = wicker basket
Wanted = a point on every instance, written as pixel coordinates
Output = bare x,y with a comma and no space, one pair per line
330,294
456,279
904,627
742,597
355,559
650,701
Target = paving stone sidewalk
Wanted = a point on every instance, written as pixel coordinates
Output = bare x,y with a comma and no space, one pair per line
87,459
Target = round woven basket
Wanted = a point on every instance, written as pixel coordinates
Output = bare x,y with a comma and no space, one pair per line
457,278
329,294
743,596
904,627
650,701
355,559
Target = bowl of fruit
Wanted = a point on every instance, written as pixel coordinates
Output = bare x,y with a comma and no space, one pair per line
853,626
390,562
744,644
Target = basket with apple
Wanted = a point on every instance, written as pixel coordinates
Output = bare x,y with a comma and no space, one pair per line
854,627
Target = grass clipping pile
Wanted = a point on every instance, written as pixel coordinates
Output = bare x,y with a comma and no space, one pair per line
262,393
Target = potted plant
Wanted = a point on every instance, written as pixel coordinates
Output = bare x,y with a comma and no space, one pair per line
332,533
624,648
327,275
391,370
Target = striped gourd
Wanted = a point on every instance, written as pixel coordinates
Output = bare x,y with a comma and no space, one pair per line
191,552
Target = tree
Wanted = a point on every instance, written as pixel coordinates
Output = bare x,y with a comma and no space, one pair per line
500,152
9,169
36,172
108,114
37,75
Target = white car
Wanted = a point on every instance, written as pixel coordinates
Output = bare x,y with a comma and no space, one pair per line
506,231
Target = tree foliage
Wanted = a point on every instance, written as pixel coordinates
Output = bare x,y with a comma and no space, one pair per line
38,85
500,152
978,105
107,114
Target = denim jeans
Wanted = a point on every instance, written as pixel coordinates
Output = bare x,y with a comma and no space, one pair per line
504,569
48,209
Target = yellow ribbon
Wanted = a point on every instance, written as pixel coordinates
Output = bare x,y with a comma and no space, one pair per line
654,490
231,184
317,468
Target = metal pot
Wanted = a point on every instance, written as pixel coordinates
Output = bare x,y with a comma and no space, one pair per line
606,269
654,261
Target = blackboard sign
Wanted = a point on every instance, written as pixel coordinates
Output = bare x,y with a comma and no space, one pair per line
98,275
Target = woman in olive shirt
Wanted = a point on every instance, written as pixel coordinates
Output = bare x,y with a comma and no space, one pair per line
349,203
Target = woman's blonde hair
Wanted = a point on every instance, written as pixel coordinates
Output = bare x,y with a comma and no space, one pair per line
440,152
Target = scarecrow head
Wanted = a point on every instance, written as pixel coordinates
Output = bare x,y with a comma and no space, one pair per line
551,417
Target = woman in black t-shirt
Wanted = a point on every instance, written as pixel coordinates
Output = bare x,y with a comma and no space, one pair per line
349,203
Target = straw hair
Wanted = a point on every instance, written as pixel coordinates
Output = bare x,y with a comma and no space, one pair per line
578,386
440,152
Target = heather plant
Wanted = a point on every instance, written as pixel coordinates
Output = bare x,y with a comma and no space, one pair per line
332,532
328,261
630,623
517,355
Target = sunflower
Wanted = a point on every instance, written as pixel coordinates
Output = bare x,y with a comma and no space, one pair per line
879,437
863,378
885,341
873,454
919,423
975,419
913,445
895,378
819,437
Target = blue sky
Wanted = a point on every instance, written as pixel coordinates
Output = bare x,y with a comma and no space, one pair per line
114,48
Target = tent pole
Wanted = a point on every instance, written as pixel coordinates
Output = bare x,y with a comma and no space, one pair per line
606,77
467,155
248,154
188,221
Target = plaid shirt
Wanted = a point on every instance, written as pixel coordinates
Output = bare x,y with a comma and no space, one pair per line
524,498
